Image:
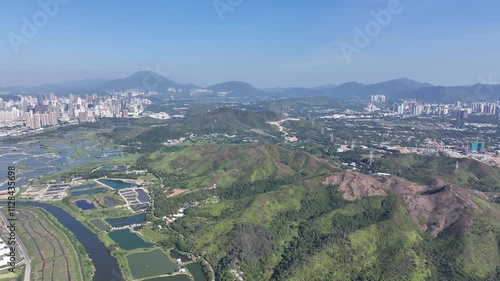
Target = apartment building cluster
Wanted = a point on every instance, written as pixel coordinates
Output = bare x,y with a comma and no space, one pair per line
461,109
46,110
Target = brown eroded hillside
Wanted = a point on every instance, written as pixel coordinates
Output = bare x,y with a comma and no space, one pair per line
434,208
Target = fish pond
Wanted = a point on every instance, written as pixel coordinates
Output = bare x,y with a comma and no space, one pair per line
128,240
197,271
109,202
111,168
117,184
83,186
120,222
176,255
149,264
84,205
142,195
88,191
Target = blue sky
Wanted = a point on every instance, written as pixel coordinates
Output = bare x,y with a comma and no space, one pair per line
264,42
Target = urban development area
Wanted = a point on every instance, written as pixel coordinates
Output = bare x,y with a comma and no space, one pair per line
221,183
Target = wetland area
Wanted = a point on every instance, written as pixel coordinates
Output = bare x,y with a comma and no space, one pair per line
98,212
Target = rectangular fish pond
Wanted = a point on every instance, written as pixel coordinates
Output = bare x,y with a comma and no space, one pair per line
128,240
150,264
120,222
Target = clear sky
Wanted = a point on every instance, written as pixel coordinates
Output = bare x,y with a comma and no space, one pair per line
264,42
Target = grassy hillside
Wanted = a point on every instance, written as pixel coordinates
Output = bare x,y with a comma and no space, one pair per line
272,217
221,120
203,166
230,120
235,170
303,232
306,231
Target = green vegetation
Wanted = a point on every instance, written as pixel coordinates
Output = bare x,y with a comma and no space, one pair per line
204,165
237,171
289,226
142,136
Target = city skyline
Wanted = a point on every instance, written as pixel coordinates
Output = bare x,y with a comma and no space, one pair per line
288,43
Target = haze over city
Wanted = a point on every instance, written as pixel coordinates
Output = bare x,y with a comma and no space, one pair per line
265,43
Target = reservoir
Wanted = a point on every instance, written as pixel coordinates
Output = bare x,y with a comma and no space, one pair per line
106,266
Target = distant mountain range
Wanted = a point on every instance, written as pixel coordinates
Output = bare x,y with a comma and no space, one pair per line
151,81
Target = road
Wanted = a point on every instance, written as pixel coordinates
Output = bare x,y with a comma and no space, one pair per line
27,260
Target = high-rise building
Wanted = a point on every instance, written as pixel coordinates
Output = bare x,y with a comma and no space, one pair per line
82,117
378,98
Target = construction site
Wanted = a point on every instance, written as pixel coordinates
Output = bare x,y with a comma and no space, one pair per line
472,150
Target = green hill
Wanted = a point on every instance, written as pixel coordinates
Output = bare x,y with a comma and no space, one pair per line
235,170
282,215
230,120
203,166
227,121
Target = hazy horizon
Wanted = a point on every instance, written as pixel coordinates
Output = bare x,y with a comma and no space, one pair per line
481,80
